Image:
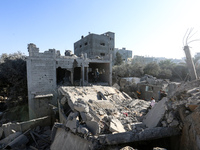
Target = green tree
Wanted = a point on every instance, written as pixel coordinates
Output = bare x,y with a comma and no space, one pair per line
118,59
137,70
152,69
179,72
13,79
166,67
166,64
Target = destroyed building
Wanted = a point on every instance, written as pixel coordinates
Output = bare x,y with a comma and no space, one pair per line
47,70
92,116
96,45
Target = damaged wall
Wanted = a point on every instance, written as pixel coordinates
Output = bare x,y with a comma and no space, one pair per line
45,71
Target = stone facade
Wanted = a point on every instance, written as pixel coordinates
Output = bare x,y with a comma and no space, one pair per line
46,71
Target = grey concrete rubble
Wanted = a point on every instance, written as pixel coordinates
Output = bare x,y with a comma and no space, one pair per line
111,117
113,113
34,138
8,128
154,116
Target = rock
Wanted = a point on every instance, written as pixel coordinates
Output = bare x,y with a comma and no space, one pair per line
192,107
174,123
116,126
127,148
86,116
93,127
81,106
83,130
164,123
63,100
170,117
72,122
116,86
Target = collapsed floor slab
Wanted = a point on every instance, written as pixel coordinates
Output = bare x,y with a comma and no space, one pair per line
103,116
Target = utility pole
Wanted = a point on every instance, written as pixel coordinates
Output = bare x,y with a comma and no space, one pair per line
190,63
189,60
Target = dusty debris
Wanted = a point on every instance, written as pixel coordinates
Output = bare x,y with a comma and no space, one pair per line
113,112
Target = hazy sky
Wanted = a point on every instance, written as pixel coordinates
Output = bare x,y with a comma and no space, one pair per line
147,27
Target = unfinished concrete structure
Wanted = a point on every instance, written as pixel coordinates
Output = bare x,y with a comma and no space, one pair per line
46,71
96,46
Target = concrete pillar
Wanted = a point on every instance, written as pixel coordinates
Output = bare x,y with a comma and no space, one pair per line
72,77
190,63
82,74
87,74
110,71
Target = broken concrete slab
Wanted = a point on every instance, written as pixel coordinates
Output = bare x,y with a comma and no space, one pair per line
147,134
8,139
72,121
24,126
81,106
66,140
116,126
154,116
20,140
86,116
93,127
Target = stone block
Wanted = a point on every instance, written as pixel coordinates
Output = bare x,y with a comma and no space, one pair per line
86,116
154,116
93,127
83,130
116,126
81,106
72,122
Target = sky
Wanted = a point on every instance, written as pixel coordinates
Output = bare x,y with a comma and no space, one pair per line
153,28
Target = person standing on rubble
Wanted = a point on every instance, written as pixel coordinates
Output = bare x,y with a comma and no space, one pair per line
152,102
96,75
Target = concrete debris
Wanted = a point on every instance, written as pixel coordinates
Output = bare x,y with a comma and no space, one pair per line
65,139
127,148
158,148
116,86
72,121
105,116
94,117
116,126
35,138
7,129
155,115
4,142
18,142
101,109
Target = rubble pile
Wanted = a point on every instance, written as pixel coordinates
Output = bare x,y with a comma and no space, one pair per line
182,103
36,138
101,110
172,111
